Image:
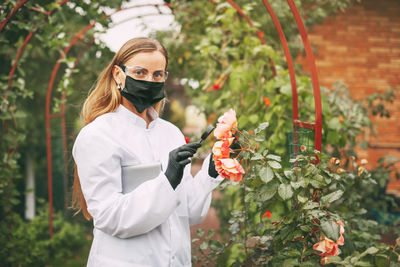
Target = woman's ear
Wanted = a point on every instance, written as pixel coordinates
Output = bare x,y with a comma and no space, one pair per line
117,74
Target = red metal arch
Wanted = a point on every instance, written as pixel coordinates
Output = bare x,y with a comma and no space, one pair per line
288,58
13,11
317,125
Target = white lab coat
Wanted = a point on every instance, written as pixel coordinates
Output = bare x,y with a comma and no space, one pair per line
150,225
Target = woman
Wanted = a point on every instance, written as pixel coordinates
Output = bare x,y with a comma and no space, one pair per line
148,226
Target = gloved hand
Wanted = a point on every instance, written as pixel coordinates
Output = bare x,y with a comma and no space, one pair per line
235,148
211,167
178,159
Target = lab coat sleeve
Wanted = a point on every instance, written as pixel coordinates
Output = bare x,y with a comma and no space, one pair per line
117,214
199,192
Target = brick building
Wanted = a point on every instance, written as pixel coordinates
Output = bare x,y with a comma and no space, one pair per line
361,47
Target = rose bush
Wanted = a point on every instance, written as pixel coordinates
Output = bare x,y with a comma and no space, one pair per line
281,207
311,226
310,206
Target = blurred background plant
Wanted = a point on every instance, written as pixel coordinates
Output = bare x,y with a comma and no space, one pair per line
32,41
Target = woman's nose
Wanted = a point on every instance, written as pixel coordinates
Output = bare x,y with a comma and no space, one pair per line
149,78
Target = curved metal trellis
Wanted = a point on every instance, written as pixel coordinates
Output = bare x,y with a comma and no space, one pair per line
317,125
12,12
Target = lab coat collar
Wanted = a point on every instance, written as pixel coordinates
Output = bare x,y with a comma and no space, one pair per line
137,120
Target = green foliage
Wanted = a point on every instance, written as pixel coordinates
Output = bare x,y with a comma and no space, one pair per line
307,201
28,243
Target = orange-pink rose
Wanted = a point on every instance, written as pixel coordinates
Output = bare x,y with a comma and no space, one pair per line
221,148
229,169
327,247
340,241
226,125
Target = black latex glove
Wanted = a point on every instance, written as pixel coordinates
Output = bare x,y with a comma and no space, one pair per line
235,148
178,159
211,167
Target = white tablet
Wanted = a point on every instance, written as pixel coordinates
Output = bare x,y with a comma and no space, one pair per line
134,175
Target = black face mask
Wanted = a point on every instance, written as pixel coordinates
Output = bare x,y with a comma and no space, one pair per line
142,94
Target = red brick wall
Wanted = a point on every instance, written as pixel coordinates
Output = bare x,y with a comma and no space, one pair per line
361,47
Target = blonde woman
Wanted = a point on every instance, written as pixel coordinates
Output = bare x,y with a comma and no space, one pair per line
148,226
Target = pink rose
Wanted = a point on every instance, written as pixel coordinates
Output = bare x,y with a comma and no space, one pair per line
328,247
221,148
226,125
229,169
340,241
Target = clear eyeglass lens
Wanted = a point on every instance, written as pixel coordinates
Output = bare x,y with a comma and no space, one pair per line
142,74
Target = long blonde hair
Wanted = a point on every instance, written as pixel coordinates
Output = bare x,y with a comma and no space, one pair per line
106,98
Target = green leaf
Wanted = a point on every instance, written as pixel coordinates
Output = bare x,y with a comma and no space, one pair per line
285,191
334,259
334,123
268,191
215,245
310,263
261,127
259,139
242,121
363,263
297,185
274,164
289,174
331,197
203,245
306,228
266,174
200,232
331,229
274,157
290,263
253,118
311,205
210,233
257,156
302,199
317,181
371,250
333,137
286,89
